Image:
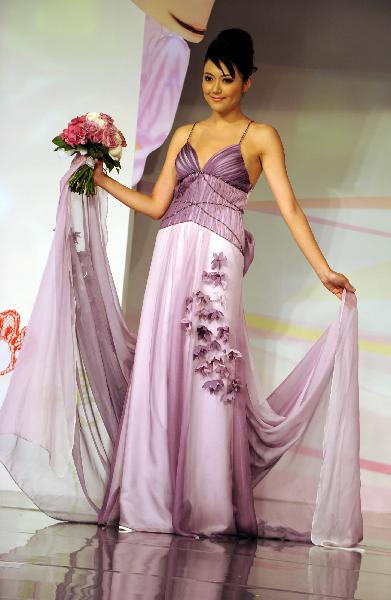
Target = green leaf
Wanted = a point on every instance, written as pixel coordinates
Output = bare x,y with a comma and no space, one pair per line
62,144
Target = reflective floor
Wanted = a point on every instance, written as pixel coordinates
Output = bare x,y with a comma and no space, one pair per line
42,558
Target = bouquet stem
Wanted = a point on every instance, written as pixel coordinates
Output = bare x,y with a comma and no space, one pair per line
82,181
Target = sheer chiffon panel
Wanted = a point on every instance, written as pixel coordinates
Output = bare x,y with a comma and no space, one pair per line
61,412
54,380
307,429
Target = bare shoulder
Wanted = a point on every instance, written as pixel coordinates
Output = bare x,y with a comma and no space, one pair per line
177,140
181,133
265,137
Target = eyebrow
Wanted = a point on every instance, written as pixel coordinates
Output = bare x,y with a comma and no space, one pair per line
224,75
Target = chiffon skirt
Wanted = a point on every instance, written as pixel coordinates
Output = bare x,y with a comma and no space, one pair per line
198,441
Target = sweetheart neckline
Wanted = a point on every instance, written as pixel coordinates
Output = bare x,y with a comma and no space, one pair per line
215,154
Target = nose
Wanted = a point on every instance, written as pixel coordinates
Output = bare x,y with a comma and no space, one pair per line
216,88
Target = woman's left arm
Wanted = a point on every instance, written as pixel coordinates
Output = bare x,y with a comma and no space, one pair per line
272,156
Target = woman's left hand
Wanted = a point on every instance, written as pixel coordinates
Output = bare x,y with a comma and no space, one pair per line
336,282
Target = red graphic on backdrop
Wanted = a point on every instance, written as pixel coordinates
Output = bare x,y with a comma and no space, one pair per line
12,335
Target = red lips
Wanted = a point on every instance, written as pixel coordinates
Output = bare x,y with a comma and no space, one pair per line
188,26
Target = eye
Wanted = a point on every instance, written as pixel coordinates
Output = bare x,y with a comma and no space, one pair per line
225,79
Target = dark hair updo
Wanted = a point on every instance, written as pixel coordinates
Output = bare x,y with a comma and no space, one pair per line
233,47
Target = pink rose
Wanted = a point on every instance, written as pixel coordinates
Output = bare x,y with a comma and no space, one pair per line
74,135
123,141
77,120
97,136
107,118
91,127
93,131
109,138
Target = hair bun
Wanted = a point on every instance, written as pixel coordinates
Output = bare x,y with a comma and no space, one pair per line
233,46
236,36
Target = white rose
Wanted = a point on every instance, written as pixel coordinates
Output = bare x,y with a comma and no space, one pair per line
116,152
96,118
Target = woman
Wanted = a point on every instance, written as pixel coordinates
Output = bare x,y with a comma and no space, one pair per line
196,439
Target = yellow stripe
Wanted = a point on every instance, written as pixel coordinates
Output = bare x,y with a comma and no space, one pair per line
375,347
302,332
269,324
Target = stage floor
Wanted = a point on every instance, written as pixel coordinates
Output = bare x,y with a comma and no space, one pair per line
43,558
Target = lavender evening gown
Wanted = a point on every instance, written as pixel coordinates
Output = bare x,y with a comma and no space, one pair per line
191,446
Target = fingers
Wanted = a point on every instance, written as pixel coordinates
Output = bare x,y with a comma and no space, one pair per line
98,165
350,287
339,284
346,284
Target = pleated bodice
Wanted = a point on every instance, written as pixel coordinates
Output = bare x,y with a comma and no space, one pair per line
213,196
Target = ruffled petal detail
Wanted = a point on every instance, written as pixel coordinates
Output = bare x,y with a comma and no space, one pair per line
206,276
233,354
189,302
223,333
203,314
222,371
214,345
215,315
204,333
215,278
205,368
202,298
75,236
234,385
214,385
229,397
199,351
186,324
219,260
217,360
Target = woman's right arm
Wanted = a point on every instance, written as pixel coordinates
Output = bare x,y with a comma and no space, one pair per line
156,204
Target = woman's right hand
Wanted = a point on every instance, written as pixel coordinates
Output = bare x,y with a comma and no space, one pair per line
98,172
336,282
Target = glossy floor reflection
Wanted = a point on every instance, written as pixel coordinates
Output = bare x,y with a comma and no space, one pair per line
45,559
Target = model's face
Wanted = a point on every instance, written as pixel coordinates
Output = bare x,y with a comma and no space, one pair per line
221,91
186,18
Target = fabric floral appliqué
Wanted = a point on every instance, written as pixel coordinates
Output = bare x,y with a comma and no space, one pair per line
219,260
215,360
75,236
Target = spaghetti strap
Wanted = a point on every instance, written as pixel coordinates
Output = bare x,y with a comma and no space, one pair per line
245,131
191,131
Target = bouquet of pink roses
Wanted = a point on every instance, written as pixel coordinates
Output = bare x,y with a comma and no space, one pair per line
95,135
